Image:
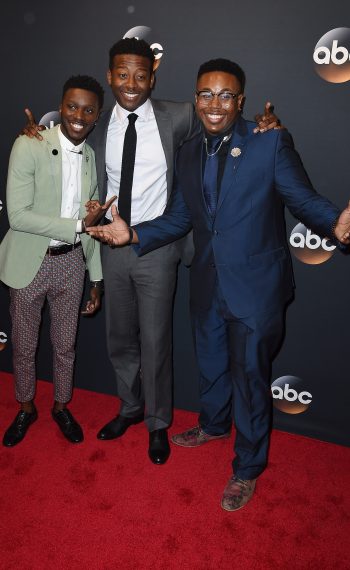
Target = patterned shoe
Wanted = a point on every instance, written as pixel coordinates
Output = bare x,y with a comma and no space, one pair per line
237,493
195,437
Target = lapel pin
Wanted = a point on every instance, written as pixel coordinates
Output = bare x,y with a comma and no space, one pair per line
236,152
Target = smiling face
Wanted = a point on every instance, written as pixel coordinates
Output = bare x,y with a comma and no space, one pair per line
218,116
131,80
79,112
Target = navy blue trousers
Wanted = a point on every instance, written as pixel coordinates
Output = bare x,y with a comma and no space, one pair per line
234,358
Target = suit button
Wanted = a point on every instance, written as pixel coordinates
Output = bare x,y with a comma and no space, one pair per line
212,265
215,232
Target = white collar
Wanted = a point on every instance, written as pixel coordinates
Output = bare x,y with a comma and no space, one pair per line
144,112
67,145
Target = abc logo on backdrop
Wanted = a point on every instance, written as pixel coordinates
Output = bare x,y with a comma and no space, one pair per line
142,33
308,247
289,395
3,340
332,56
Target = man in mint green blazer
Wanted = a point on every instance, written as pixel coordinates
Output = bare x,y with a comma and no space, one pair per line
46,250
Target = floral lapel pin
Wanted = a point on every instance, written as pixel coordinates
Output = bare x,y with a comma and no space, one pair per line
236,152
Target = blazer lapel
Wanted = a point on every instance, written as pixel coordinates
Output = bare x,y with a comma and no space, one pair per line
85,178
55,161
99,142
234,158
165,128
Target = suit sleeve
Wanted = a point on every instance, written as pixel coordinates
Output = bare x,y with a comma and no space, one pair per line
172,225
313,210
24,212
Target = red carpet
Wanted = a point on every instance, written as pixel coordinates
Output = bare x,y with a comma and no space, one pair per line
104,506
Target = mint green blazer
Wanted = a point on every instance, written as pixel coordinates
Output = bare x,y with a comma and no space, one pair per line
33,195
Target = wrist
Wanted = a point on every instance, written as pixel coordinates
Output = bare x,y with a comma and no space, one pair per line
96,285
131,235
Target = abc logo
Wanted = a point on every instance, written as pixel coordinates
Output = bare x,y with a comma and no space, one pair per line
50,119
308,247
3,340
288,395
332,56
140,32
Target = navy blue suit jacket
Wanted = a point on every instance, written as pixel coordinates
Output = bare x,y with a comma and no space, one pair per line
245,245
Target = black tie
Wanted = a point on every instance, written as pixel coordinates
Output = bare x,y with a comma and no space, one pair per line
127,171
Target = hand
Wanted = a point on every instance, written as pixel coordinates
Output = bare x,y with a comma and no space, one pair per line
116,233
342,228
96,211
32,130
268,120
91,205
94,303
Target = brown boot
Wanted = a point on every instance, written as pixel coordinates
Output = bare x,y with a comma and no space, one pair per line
237,493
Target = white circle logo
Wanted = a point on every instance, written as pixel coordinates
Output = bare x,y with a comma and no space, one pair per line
3,340
140,33
309,247
289,396
332,56
50,119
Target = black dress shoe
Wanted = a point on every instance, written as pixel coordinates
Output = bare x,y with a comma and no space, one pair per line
68,425
118,426
159,449
19,427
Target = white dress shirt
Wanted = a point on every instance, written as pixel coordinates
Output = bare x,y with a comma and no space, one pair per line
71,182
149,189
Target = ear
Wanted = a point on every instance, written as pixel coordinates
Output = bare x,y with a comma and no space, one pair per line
241,102
109,77
156,64
152,80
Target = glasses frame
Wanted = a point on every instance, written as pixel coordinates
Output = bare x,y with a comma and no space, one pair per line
212,95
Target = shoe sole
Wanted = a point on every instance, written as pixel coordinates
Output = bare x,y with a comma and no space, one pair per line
22,438
234,510
225,436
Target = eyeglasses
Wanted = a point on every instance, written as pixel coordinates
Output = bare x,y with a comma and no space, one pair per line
225,97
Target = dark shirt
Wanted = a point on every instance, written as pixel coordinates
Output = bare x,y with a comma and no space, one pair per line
222,155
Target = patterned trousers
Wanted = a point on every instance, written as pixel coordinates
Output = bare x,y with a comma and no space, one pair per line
60,279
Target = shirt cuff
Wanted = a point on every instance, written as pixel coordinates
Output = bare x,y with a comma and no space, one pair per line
79,228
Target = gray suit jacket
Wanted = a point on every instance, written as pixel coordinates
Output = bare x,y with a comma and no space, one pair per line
177,123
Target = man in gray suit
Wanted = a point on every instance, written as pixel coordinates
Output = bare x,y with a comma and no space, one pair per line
139,292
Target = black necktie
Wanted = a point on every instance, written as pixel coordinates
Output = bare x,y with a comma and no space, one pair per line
127,170
211,174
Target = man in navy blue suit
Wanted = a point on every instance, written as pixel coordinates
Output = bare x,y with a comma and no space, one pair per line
231,188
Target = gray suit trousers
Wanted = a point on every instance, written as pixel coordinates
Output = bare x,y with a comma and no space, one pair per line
139,295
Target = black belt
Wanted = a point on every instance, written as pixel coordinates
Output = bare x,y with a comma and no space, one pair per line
61,249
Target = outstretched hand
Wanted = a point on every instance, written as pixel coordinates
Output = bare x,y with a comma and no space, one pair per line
96,211
115,234
32,130
342,228
268,120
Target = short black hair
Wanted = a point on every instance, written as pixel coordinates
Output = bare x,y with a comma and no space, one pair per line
85,82
225,65
134,46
